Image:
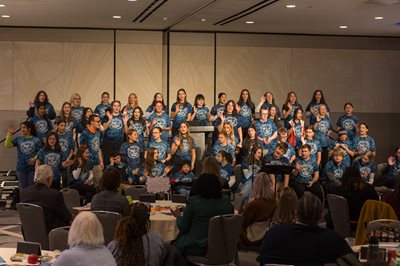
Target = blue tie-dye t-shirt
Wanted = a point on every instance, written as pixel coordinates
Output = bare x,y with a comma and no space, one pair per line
66,143
131,152
218,147
140,128
323,126
182,113
346,158
27,148
162,147
245,115
265,130
217,109
307,170
335,169
115,131
185,154
93,142
201,115
100,110
163,121
226,171
348,123
43,126
363,145
315,148
53,159
77,113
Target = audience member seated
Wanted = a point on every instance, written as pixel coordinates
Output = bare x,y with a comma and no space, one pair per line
389,176
193,224
51,200
110,199
133,244
356,191
287,205
121,167
86,243
258,213
210,166
304,242
82,174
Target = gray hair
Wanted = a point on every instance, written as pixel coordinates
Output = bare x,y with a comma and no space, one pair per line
42,173
85,230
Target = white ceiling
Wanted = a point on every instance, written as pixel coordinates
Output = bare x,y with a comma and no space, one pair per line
309,16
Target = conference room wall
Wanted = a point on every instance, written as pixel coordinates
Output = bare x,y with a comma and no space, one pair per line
139,66
192,66
368,77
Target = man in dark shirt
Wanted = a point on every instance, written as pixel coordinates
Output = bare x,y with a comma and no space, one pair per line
304,242
51,200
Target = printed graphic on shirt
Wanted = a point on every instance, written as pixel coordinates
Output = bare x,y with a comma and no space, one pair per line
95,144
63,144
133,151
41,126
116,123
232,120
27,147
348,124
306,170
52,159
77,114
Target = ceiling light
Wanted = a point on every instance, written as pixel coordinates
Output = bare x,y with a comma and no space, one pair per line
164,18
377,18
2,5
5,16
203,20
132,0
290,6
343,27
117,17
250,22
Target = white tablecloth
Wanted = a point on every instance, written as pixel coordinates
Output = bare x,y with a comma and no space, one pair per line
6,254
162,222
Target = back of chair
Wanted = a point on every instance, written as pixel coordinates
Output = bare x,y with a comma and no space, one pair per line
238,201
109,221
223,238
71,198
148,198
135,191
339,209
178,198
58,238
33,224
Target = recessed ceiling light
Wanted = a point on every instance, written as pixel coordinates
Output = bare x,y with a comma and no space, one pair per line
378,18
164,18
117,17
132,0
203,20
290,6
250,22
2,5
5,16
343,27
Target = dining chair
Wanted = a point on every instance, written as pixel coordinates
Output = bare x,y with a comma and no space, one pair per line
238,201
135,191
33,224
58,238
109,221
148,198
71,198
178,198
223,239
340,215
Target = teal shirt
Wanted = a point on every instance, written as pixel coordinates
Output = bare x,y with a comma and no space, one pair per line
193,224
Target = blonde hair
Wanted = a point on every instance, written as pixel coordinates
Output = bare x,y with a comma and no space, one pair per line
338,152
72,99
43,172
85,230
